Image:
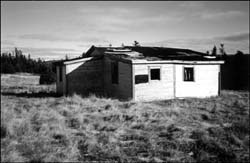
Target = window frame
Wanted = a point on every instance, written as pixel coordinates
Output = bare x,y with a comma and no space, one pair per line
149,72
141,75
188,67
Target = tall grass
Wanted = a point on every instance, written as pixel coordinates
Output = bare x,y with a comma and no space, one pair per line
100,129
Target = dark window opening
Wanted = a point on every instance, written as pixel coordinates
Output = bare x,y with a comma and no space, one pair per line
155,74
114,72
141,79
60,74
188,74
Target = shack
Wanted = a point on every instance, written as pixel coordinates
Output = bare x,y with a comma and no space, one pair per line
140,73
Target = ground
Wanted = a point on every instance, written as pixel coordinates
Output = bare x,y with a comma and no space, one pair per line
37,125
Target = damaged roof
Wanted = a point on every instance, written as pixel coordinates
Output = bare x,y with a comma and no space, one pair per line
154,53
148,53
93,48
165,53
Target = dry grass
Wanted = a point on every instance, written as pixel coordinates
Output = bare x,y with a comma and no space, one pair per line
101,129
23,83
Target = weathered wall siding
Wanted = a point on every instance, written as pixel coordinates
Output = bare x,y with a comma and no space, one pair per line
64,79
85,78
123,90
154,90
61,86
205,84
58,83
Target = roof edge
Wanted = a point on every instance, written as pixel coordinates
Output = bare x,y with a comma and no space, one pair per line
78,60
177,62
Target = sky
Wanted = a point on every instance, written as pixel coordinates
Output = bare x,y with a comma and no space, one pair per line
50,30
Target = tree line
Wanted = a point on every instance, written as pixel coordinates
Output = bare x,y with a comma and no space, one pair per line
21,63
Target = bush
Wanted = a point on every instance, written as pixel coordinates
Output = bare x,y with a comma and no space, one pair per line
47,78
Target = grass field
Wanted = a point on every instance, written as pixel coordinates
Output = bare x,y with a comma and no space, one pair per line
36,125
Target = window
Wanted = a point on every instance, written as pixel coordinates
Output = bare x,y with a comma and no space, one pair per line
60,73
188,74
155,74
114,72
141,79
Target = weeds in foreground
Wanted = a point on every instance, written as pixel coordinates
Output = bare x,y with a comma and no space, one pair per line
99,129
56,129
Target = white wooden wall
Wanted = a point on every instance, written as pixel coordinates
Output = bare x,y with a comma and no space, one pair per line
122,90
205,83
154,90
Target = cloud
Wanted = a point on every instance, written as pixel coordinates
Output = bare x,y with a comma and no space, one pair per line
51,37
108,10
7,43
221,15
46,53
232,43
192,4
88,39
53,55
235,37
85,45
31,49
122,19
44,37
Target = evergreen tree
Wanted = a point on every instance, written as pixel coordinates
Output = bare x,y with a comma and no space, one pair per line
18,68
20,63
66,57
7,68
239,53
214,51
222,50
136,43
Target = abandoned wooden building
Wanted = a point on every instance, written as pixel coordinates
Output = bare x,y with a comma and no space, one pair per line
140,73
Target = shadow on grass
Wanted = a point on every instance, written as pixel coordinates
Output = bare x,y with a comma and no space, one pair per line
32,95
